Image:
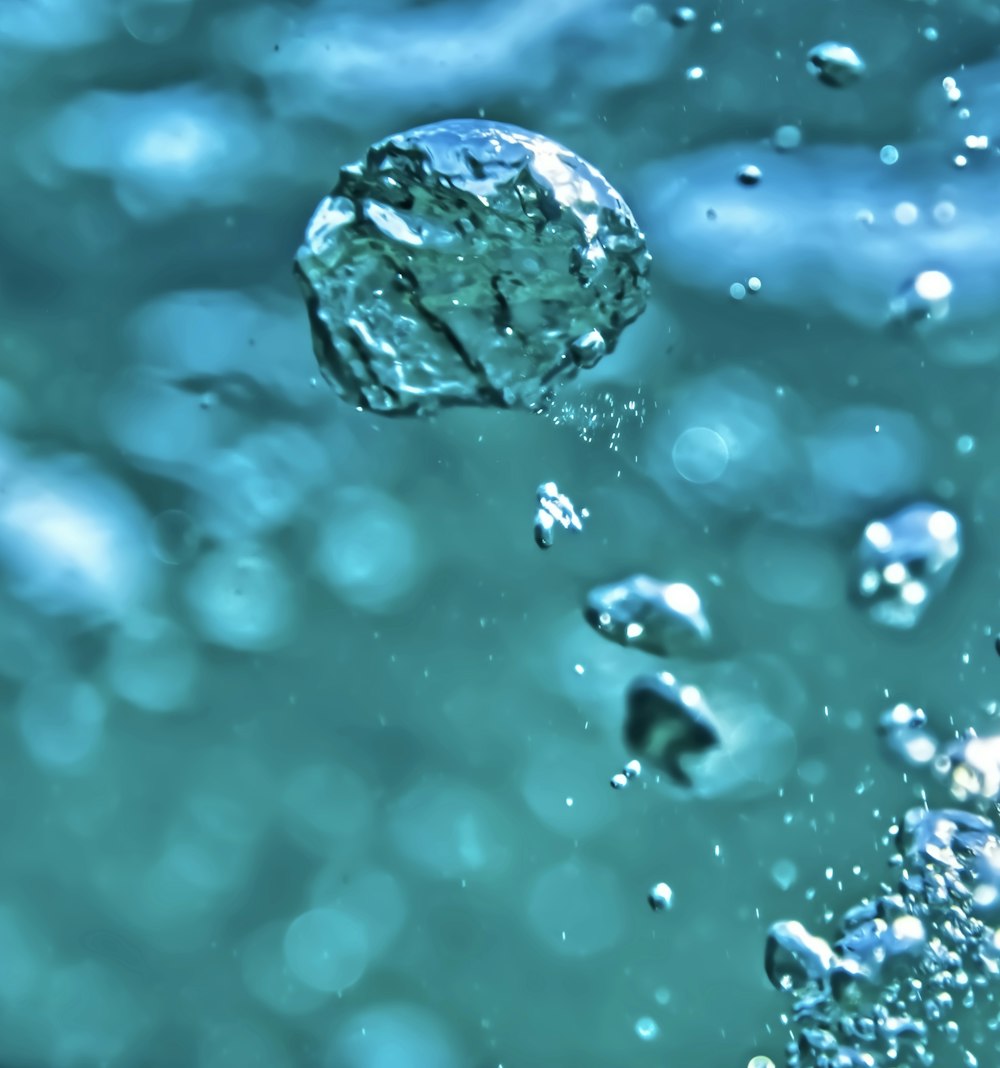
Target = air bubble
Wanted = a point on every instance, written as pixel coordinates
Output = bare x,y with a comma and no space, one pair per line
414,269
658,617
834,64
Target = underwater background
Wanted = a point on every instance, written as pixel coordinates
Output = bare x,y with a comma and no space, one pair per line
306,746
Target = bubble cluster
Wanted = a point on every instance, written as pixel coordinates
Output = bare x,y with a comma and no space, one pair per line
658,617
904,561
468,263
555,509
903,962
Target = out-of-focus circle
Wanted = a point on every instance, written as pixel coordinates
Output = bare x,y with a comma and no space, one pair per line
700,455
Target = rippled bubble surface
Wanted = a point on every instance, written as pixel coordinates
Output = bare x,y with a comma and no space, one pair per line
659,617
468,263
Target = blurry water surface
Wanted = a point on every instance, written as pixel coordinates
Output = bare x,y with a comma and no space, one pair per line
306,746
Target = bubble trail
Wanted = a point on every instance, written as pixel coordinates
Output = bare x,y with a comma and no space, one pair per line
903,959
468,263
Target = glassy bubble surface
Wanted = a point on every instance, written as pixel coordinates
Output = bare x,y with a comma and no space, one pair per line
700,454
834,64
904,561
667,722
659,617
555,509
468,263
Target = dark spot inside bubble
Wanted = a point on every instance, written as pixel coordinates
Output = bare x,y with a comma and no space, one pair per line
711,214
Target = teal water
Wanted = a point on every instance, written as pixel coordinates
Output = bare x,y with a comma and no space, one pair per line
307,746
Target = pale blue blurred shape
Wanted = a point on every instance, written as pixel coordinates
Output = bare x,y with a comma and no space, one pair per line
54,25
394,1035
856,464
451,830
368,551
241,596
564,783
439,51
152,663
236,1042
268,978
327,806
374,897
73,540
326,949
95,1018
790,567
24,957
166,150
155,22
577,908
158,426
261,483
61,720
262,340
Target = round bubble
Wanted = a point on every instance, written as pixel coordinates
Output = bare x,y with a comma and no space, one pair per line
326,949
61,720
269,979
152,663
451,830
373,897
368,551
700,454
241,597
577,908
468,262
394,1036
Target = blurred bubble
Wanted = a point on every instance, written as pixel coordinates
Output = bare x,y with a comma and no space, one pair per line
371,896
164,150
241,597
155,22
557,768
787,138
152,663
327,806
240,1043
791,568
394,1035
24,957
61,720
450,830
889,154
647,1028
268,977
71,540
784,872
700,454
906,736
176,537
326,949
369,552
576,908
